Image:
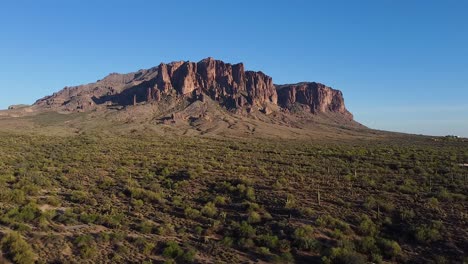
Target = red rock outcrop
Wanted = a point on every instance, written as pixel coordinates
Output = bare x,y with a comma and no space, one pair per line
222,81
318,97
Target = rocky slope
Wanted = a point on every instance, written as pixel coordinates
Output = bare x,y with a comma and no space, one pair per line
228,84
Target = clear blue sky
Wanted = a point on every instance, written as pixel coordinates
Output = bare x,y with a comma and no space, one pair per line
402,65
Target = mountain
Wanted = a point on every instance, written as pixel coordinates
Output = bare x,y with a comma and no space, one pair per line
209,96
229,84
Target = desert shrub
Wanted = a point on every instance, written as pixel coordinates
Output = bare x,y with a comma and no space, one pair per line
104,237
117,236
284,245
166,229
198,230
368,244
177,201
307,212
172,250
303,238
386,206
15,196
269,241
407,214
250,194
331,222
191,213
227,241
264,251
428,233
290,202
123,249
409,187
78,197
146,227
376,258
146,195
340,255
441,260
286,257
209,210
137,203
68,217
433,203
370,203
367,227
245,242
26,213
148,248
337,234
251,206
390,248
86,246
17,248
254,217
189,256
88,218
165,172
112,221
245,230
220,200
53,200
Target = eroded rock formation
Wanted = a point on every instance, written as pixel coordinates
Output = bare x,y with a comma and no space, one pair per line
229,84
318,97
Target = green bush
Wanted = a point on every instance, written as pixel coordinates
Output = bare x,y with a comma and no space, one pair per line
25,213
390,248
148,248
86,246
368,245
427,234
172,250
227,241
220,200
269,241
367,227
303,238
245,242
250,194
254,217
191,213
88,218
146,227
331,222
246,230
17,249
209,210
346,256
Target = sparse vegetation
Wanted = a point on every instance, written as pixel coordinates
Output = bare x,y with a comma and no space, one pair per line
148,198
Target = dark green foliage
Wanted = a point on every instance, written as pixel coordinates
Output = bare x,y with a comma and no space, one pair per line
345,256
17,249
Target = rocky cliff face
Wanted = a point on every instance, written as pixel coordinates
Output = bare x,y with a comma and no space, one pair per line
229,84
316,96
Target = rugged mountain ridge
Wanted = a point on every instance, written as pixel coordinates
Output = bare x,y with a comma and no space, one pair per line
228,84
